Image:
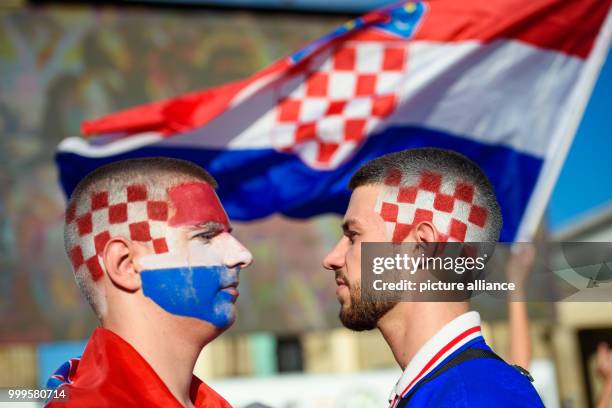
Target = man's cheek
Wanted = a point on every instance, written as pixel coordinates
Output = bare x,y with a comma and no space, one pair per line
177,241
225,249
190,290
168,260
353,258
204,253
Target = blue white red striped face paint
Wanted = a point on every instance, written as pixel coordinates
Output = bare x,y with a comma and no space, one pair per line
198,277
205,292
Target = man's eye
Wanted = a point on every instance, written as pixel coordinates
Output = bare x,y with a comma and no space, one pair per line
206,236
351,237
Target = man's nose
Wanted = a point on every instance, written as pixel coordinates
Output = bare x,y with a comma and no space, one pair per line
335,259
236,254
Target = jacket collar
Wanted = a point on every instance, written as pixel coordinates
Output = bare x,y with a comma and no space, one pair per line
449,339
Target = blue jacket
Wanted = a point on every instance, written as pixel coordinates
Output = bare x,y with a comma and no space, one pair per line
479,382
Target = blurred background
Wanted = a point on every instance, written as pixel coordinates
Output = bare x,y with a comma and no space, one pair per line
61,63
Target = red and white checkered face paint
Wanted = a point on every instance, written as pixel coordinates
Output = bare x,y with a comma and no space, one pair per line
129,213
332,101
134,214
450,205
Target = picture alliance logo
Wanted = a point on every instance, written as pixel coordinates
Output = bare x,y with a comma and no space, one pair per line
564,271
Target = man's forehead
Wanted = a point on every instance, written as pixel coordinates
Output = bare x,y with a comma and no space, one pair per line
361,208
195,203
363,199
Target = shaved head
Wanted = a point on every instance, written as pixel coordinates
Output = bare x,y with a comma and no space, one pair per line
435,185
132,199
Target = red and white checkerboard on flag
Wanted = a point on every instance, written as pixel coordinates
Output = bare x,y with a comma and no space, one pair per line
503,82
329,105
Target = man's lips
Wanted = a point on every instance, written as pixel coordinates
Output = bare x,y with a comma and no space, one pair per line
341,284
340,278
232,289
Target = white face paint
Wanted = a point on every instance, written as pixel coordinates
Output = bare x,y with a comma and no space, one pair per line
195,248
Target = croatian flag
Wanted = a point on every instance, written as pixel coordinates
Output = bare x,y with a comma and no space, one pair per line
504,82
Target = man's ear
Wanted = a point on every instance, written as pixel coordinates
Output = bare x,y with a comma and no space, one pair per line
422,236
424,232
119,260
426,237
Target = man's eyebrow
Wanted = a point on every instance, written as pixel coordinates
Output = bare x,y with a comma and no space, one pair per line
210,226
348,224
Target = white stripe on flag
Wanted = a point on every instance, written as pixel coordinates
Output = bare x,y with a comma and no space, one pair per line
506,92
86,148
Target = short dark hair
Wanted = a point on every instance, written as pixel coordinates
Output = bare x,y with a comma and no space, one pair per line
412,162
148,165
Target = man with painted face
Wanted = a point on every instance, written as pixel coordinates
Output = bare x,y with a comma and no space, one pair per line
152,251
426,196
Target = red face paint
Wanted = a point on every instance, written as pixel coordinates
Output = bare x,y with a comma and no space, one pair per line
196,203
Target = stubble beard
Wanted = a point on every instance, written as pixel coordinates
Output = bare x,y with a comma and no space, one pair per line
361,315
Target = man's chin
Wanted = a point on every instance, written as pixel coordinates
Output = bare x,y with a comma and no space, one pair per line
359,316
228,319
208,331
218,323
345,301
356,325
352,321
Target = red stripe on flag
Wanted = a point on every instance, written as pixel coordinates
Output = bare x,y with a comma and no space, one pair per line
178,114
169,116
560,25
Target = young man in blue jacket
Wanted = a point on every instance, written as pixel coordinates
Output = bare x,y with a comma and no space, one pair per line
425,196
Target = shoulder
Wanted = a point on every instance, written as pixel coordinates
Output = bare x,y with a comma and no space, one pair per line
480,382
496,380
206,396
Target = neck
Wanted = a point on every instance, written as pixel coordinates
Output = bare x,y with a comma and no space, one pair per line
170,345
409,325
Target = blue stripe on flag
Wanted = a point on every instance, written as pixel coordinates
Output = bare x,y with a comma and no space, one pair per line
256,183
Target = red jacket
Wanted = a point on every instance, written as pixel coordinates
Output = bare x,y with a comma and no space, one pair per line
111,373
